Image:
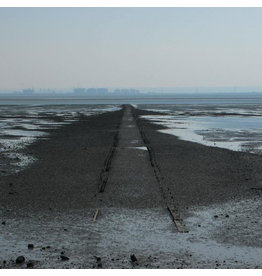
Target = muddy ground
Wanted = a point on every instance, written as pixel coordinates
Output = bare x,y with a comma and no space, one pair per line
51,203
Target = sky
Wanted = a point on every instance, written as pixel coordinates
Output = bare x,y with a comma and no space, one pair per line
63,48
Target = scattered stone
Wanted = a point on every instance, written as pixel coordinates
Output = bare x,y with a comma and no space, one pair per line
215,216
30,264
4,262
199,225
43,248
227,216
64,258
48,247
30,246
20,260
65,229
99,262
3,223
133,259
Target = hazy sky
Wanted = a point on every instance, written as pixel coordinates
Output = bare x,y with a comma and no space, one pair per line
130,47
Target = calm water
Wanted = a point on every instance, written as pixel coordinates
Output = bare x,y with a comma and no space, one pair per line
245,98
232,122
231,126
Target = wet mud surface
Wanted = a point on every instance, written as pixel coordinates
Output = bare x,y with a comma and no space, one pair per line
51,204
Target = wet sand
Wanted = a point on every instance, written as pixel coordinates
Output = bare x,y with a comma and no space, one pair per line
51,203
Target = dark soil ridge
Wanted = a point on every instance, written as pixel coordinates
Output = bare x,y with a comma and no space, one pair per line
103,177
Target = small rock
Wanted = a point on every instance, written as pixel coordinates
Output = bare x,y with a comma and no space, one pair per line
64,258
20,260
65,229
48,247
99,262
133,258
227,216
30,264
199,225
30,246
3,223
215,216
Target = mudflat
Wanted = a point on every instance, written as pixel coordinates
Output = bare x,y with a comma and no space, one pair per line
68,164
201,175
51,204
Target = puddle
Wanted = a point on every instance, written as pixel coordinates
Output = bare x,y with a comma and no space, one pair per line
233,128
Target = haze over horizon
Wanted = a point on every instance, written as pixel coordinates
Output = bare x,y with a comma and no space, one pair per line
130,47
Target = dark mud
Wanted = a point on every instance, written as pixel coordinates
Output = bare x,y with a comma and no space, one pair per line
201,175
68,164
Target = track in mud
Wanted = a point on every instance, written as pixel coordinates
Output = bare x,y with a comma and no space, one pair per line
103,177
163,185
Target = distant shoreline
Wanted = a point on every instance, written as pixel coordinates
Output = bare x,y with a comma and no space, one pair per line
156,99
